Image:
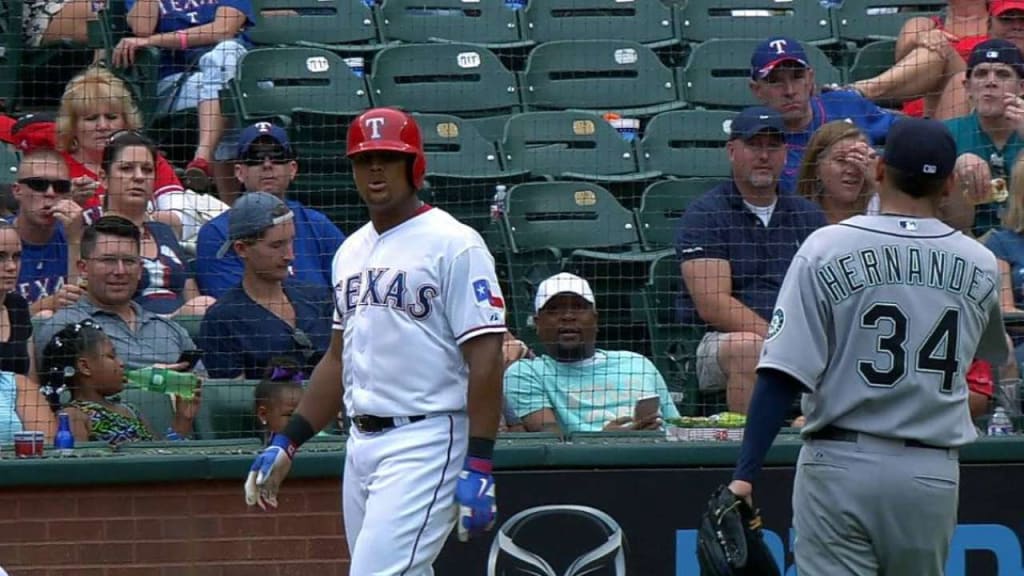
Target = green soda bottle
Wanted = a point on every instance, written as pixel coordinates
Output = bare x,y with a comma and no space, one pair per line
163,380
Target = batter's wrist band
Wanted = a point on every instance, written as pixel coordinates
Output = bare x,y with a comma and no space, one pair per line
480,448
298,430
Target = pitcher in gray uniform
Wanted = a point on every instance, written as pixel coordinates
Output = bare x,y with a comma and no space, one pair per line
876,323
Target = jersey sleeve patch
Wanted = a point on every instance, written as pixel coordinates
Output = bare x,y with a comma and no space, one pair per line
485,296
778,321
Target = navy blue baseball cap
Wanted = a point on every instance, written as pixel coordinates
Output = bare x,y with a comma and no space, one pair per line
920,147
754,120
775,51
275,134
997,51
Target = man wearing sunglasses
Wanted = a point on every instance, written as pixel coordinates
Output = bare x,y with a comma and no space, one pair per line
266,163
50,225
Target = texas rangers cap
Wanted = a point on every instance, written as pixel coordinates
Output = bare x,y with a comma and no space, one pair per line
997,7
775,51
562,283
275,134
920,147
997,51
754,120
251,214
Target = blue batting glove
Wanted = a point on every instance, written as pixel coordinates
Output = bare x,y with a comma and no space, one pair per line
268,471
474,492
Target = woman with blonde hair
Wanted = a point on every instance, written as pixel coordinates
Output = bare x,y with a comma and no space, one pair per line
837,171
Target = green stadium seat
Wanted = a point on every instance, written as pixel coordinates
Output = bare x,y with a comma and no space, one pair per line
229,404
154,407
10,51
648,22
10,159
461,79
661,206
599,75
867,20
805,20
673,345
343,25
873,59
718,73
574,145
488,24
190,324
687,143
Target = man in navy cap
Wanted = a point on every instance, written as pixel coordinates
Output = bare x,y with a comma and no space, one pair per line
876,322
781,78
734,244
989,139
266,163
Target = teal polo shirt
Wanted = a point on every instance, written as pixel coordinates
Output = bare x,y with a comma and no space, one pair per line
971,139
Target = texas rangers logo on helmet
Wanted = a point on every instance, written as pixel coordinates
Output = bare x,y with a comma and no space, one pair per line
374,124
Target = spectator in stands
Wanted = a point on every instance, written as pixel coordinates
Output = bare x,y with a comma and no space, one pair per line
277,395
575,387
23,408
735,244
49,224
128,169
931,52
266,163
200,45
81,360
95,105
1007,243
989,139
52,21
16,349
782,79
111,266
838,171
263,316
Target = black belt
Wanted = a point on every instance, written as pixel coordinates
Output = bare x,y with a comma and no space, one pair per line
837,434
370,424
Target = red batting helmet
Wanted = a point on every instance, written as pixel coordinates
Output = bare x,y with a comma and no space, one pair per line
389,129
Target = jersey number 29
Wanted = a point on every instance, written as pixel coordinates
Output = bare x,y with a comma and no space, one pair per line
938,352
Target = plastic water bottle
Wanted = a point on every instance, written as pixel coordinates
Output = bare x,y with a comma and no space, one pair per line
498,202
171,435
830,3
515,4
163,381
357,64
1000,423
64,441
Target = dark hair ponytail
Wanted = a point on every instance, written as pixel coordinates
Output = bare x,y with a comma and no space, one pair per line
59,363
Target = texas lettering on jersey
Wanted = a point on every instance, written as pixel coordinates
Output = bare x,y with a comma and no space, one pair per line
387,287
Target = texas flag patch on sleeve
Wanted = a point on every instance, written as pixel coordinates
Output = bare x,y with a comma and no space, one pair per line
484,296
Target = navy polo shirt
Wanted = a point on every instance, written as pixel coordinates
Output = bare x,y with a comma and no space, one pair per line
239,336
718,225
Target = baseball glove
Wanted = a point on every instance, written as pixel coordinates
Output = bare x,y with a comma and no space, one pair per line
729,540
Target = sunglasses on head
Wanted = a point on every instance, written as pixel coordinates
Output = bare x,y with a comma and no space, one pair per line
41,185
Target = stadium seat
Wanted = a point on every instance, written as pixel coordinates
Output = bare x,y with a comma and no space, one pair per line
718,73
489,24
673,345
154,407
190,324
599,75
10,51
230,407
10,159
648,22
687,143
460,79
805,20
867,20
661,206
575,145
344,25
873,59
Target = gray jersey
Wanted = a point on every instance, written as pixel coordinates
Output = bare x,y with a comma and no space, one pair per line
880,318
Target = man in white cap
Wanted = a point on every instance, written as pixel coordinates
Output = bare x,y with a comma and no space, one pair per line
574,386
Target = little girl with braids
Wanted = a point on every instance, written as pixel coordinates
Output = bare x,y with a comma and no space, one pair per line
81,360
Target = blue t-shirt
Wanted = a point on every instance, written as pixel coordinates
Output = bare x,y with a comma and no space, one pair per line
971,139
162,287
838,105
238,336
1008,246
316,241
183,14
719,225
44,267
587,394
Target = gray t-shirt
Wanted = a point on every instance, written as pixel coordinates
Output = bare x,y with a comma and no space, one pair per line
880,318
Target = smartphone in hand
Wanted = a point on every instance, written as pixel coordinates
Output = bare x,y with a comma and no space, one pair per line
191,357
646,407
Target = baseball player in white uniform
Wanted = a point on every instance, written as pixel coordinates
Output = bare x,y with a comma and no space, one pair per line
876,323
418,328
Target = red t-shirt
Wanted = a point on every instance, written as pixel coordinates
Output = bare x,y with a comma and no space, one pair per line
963,47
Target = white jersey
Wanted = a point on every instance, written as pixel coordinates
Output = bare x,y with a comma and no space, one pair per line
405,301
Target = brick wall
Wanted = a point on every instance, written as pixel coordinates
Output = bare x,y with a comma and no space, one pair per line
188,529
